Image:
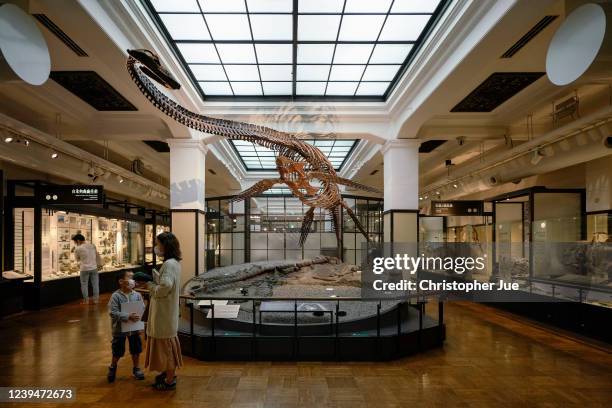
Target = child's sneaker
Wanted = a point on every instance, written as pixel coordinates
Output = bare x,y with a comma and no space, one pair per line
112,373
138,374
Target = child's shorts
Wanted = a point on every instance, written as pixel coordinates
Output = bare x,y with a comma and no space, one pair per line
118,344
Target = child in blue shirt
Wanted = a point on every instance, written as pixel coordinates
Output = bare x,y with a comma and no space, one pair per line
124,294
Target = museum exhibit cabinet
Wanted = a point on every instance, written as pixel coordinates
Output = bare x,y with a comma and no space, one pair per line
432,228
599,226
39,243
541,241
156,222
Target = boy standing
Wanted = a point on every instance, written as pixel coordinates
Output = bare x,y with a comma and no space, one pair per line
124,294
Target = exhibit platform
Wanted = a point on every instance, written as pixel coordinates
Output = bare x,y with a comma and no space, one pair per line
392,329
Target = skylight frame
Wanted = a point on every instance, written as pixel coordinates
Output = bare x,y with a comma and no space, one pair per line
295,42
337,151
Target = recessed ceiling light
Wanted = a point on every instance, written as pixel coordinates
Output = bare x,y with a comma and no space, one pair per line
455,186
54,155
8,139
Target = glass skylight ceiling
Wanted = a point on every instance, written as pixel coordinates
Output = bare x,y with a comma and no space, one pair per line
295,48
255,157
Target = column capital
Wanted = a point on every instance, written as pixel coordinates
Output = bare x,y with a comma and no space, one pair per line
188,144
400,143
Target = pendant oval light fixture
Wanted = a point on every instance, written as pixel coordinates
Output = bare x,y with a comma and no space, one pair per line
24,52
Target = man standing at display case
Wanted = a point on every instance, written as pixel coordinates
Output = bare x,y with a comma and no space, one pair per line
85,253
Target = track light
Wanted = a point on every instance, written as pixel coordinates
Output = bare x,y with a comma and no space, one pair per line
10,139
421,198
536,157
119,179
92,172
54,155
455,185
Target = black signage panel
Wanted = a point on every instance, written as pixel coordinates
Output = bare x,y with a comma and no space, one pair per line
71,194
457,207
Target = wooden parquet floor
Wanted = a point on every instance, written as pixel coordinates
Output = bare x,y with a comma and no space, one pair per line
489,360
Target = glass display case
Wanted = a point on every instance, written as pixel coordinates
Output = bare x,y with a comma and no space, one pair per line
599,226
150,240
155,224
23,238
39,246
118,241
39,238
431,228
512,217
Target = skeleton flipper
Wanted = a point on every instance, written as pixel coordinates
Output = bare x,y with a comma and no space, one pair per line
306,224
336,222
256,189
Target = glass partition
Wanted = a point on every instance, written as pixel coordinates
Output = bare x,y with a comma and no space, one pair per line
268,227
225,232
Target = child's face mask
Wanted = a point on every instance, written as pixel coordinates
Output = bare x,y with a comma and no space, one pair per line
131,283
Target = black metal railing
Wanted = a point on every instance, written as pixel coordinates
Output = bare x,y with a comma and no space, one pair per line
417,300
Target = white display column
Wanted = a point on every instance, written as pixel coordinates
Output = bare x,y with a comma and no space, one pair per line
401,190
187,205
